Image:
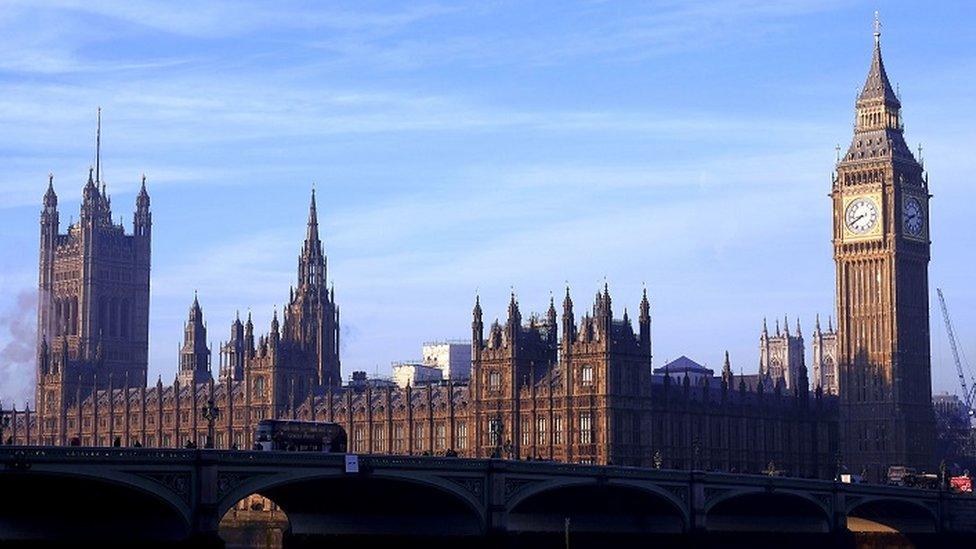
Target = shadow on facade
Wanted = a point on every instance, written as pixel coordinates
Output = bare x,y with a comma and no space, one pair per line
76,510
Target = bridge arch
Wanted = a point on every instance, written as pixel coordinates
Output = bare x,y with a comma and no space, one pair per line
887,514
767,511
595,507
377,503
70,505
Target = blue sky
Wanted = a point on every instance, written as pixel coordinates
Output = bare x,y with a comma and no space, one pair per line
475,147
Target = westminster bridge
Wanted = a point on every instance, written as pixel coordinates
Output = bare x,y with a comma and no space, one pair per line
172,495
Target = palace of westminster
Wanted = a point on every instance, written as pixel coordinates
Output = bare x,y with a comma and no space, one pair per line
561,386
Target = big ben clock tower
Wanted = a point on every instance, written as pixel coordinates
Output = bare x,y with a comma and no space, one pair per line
881,249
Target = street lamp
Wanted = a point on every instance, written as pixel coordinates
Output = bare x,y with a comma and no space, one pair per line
210,413
496,429
509,449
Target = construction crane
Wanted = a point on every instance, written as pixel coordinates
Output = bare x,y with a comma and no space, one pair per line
967,395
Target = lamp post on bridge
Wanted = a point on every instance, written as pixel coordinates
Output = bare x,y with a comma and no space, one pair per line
210,413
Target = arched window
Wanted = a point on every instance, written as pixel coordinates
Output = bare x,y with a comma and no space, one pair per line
58,317
113,312
259,386
586,375
124,328
494,381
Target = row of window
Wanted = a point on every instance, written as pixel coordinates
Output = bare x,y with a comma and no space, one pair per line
419,434
495,432
586,378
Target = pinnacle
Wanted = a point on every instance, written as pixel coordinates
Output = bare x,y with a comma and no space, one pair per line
877,86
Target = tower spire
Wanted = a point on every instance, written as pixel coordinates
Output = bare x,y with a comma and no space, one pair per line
311,264
877,88
877,27
312,234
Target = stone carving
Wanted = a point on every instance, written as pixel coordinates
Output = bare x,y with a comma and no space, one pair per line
178,483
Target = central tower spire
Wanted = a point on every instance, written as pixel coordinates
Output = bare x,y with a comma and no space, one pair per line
311,264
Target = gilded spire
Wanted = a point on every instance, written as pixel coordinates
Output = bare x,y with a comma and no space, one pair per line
876,86
50,197
312,234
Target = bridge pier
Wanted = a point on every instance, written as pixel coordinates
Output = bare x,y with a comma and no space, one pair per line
496,517
206,513
838,523
697,516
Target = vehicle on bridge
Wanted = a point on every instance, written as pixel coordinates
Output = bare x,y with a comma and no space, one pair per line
962,484
291,435
899,475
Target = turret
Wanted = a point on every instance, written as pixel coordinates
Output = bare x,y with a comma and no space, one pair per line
477,327
194,354
514,323
50,226
551,321
726,373
275,335
645,324
249,336
569,326
142,218
90,198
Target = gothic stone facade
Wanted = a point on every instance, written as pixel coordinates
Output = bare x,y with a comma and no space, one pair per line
585,395
881,248
572,392
781,357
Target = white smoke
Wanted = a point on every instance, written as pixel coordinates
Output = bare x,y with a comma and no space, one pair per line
18,325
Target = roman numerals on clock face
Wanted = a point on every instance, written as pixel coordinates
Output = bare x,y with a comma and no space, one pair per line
861,215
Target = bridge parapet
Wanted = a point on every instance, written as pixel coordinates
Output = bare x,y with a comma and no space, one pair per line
488,496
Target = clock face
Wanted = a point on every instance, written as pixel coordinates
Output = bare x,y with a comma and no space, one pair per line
861,215
913,219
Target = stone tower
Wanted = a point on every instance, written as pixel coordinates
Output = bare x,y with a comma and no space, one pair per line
781,357
311,327
881,249
824,347
195,354
93,300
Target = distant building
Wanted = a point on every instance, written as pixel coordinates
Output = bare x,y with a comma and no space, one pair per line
453,358
359,381
781,355
825,358
684,366
950,407
415,373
